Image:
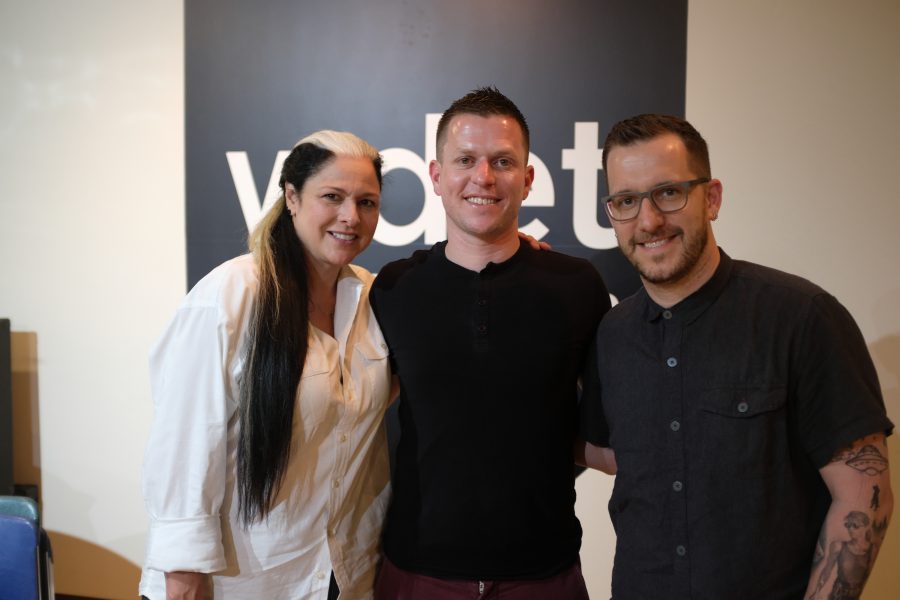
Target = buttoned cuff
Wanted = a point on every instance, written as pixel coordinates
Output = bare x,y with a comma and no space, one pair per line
193,544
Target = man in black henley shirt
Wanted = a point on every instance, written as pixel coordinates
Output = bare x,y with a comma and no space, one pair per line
488,338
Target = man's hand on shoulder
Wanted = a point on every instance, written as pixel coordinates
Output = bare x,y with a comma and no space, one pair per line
534,243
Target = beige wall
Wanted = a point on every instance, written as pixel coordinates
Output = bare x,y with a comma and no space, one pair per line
798,101
92,259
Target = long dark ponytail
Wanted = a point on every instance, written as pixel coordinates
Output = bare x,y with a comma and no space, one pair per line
278,334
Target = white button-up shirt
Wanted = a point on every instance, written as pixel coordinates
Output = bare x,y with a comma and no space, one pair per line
328,513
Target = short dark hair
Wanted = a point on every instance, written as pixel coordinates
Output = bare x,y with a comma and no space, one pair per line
483,101
646,127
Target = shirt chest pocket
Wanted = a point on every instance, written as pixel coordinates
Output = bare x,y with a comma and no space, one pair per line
743,432
317,363
372,370
316,390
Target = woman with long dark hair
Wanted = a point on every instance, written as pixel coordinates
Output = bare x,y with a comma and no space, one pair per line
266,473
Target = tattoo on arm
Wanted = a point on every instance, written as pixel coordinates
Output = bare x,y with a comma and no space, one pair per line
867,459
844,558
850,560
878,530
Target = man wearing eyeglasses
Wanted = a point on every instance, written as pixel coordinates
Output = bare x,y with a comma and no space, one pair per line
740,402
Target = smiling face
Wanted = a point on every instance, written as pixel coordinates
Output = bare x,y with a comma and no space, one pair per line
676,251
482,177
336,212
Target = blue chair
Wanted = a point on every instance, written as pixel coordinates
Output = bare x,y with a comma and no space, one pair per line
20,506
19,563
13,509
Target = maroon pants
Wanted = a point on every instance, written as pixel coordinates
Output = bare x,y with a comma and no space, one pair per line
394,583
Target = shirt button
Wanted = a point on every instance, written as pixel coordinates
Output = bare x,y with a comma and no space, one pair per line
482,328
677,486
675,425
336,483
320,575
672,361
667,314
680,550
343,437
743,407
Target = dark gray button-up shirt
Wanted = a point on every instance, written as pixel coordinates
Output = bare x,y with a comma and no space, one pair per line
738,395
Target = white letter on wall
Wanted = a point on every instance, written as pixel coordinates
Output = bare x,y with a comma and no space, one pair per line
542,194
585,159
431,221
248,197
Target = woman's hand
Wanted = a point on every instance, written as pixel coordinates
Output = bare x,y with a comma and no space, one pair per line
187,585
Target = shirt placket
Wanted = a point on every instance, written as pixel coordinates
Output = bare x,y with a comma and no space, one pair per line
675,483
341,441
481,312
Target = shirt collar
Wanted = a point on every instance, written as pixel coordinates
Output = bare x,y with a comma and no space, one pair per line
349,292
490,269
693,306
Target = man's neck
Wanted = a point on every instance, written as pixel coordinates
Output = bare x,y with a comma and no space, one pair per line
669,294
474,253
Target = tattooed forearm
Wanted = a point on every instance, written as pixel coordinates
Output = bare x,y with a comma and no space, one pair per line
858,479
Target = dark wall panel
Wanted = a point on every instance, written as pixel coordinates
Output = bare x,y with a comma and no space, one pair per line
262,75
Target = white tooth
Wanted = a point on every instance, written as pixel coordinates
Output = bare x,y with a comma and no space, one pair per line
481,201
343,236
655,244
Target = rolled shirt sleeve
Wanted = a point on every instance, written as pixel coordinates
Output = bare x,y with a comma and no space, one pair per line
185,466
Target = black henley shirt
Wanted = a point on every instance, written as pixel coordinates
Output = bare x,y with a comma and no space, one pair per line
483,486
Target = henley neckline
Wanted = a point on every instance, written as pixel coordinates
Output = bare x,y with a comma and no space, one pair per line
490,269
694,305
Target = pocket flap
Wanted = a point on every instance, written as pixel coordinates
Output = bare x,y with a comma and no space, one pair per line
743,403
316,364
372,350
